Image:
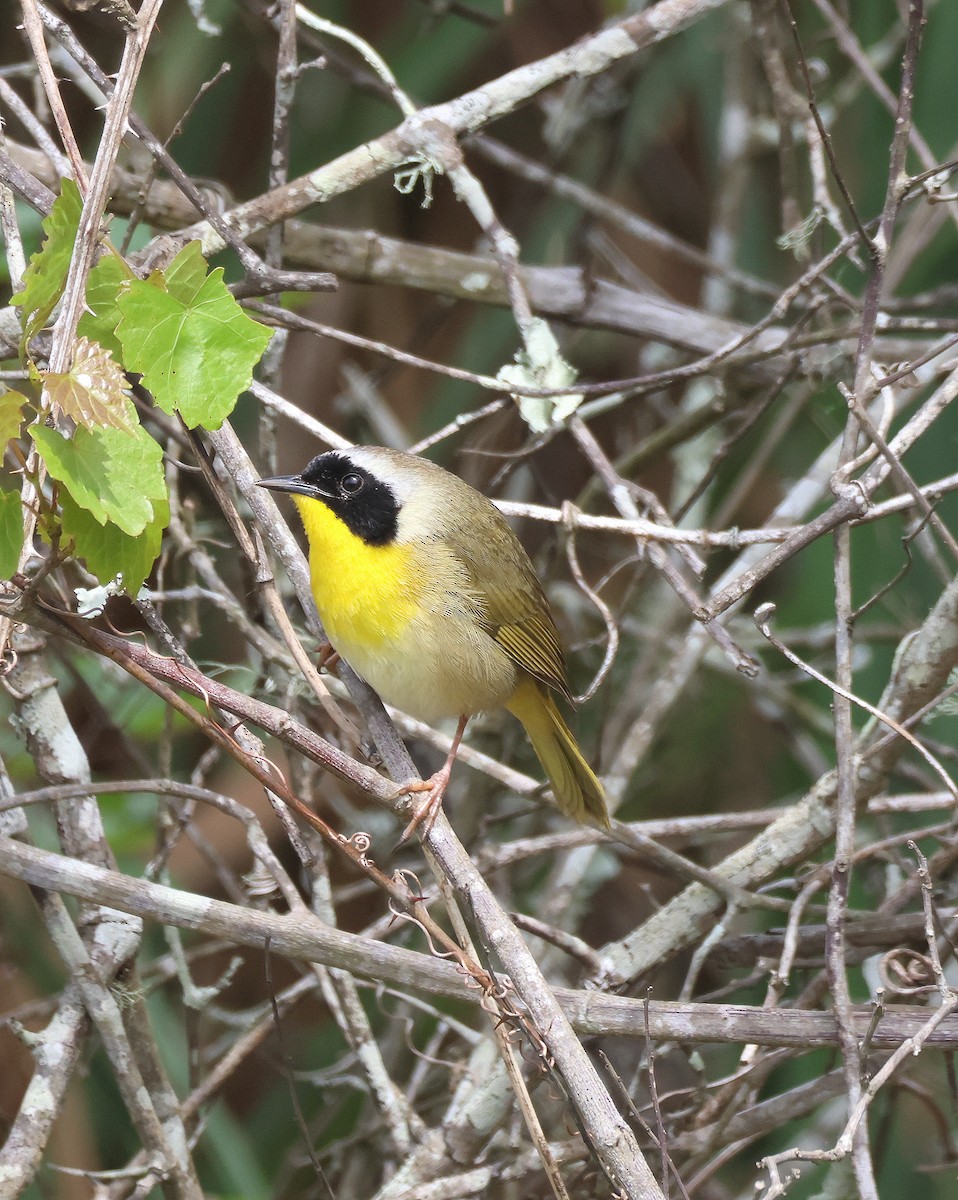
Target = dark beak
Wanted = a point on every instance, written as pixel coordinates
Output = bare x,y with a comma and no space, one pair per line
287,483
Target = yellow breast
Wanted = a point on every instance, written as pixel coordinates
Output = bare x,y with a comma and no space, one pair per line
366,595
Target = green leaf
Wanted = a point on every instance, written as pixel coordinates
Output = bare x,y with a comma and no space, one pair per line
11,533
107,550
113,474
46,272
99,322
94,391
11,416
186,274
193,344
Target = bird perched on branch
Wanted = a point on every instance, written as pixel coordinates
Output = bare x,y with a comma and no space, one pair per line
427,593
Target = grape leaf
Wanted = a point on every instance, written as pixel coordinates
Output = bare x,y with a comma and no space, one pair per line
11,533
11,416
107,550
193,344
102,316
115,474
186,274
46,272
94,391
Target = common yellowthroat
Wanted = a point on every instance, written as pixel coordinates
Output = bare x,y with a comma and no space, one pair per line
427,593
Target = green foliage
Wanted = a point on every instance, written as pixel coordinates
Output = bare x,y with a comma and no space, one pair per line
107,550
46,272
100,320
114,502
11,533
196,350
11,415
190,340
186,274
114,474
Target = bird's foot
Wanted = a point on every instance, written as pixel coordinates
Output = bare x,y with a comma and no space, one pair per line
327,657
435,787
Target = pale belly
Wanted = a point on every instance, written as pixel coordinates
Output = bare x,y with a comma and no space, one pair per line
429,658
429,674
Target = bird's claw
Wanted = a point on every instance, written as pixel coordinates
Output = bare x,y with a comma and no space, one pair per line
428,810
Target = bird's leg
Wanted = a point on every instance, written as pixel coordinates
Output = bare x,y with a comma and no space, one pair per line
435,785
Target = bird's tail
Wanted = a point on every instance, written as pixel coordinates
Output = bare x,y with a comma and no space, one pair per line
574,785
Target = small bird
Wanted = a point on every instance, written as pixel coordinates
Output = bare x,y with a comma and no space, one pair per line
427,593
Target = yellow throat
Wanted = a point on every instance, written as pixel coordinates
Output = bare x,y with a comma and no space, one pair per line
366,595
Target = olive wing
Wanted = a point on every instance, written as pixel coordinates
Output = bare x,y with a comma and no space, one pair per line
514,610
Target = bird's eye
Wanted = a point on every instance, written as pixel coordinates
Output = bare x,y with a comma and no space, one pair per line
351,483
